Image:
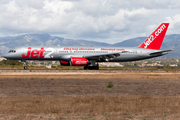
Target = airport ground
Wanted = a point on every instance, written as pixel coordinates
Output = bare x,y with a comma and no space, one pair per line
84,95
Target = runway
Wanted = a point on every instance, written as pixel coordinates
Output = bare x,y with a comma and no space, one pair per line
84,72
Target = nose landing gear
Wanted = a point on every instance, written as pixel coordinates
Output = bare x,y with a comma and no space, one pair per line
25,67
24,64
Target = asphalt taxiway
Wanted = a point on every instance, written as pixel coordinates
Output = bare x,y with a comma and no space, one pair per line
83,72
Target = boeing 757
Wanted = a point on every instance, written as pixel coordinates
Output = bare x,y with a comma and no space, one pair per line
90,56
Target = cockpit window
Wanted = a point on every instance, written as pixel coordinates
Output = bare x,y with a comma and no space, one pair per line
12,51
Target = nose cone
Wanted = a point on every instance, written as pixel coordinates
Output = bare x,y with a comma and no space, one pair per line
7,56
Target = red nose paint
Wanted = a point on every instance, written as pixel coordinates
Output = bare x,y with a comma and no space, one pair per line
34,54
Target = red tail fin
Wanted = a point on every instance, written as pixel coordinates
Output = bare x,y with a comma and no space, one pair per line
155,40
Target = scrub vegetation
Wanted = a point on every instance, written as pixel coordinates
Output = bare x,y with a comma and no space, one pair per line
14,64
110,85
86,97
10,62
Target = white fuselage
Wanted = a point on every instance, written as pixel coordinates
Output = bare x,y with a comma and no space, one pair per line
65,53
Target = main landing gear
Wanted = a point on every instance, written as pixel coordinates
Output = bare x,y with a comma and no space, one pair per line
94,67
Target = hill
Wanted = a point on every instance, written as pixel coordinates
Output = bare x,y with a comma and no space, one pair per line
6,43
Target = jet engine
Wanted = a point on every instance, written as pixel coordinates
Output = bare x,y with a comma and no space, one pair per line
75,61
64,63
79,61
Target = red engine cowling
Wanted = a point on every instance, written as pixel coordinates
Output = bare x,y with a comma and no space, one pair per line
64,63
78,61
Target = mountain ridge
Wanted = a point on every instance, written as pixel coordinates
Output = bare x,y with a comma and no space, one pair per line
170,42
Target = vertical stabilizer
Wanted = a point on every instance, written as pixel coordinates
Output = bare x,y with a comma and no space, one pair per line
155,40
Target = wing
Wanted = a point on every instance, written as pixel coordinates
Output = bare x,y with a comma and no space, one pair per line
104,57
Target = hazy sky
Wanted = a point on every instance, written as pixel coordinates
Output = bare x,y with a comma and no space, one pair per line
109,21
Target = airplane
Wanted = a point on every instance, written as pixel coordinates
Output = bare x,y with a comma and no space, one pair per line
90,56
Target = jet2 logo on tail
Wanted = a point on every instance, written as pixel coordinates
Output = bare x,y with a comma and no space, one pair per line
34,54
149,41
152,37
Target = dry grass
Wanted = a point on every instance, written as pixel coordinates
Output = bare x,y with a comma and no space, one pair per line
86,97
93,106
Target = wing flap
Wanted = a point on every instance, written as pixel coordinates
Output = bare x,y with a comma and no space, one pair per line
103,56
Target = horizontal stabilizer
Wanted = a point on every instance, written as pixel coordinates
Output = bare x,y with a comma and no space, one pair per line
161,52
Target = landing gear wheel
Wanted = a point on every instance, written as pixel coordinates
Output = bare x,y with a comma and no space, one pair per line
25,67
85,67
93,67
24,64
97,68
